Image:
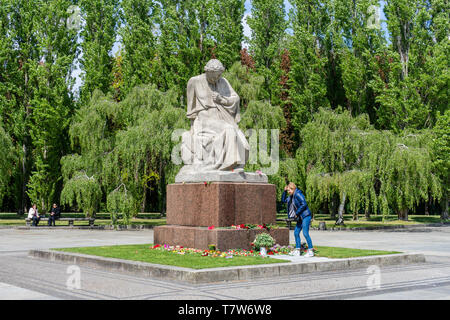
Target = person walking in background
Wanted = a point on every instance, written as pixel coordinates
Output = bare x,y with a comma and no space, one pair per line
34,215
298,209
55,213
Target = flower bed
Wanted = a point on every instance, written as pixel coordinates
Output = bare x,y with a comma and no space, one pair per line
276,249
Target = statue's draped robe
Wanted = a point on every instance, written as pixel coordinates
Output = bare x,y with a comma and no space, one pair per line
215,141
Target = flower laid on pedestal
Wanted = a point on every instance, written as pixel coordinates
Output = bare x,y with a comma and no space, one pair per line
276,249
253,226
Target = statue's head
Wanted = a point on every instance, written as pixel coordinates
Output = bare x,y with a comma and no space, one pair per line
213,70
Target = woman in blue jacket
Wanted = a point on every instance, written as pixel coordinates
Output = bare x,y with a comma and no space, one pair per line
298,209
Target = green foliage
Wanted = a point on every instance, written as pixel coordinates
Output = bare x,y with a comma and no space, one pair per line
267,24
373,170
138,18
98,37
84,191
441,157
120,201
226,29
441,147
325,54
7,159
127,149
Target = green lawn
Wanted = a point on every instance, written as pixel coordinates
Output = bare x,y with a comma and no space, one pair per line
337,253
193,261
362,222
196,261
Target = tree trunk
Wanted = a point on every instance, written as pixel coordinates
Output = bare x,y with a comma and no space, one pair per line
24,174
444,212
341,210
403,214
355,215
367,213
333,207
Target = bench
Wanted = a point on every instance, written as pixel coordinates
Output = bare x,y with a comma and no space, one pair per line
69,220
288,222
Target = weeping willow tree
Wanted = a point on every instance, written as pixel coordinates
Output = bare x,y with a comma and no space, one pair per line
367,170
408,177
330,159
124,150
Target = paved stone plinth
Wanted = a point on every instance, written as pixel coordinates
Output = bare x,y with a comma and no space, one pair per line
220,204
223,239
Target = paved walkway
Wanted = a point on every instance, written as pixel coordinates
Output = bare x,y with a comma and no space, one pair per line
25,278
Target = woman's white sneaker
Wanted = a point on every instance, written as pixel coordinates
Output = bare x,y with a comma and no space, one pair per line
309,253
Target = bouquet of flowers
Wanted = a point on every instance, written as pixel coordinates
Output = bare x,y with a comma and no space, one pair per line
263,240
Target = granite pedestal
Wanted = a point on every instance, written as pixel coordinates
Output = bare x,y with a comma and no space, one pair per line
193,208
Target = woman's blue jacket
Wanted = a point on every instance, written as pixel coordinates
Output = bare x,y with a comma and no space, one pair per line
299,202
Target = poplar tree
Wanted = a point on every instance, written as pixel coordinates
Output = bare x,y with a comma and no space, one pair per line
138,40
52,104
226,30
19,44
413,73
307,74
268,24
98,36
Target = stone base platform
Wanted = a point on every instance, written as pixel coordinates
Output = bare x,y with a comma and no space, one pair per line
221,176
220,204
223,239
243,273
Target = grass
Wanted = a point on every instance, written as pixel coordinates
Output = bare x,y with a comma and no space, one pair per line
196,261
362,222
337,252
144,254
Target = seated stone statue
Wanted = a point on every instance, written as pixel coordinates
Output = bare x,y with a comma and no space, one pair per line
215,142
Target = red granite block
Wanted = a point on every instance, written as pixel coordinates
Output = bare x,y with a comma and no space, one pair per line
220,204
223,239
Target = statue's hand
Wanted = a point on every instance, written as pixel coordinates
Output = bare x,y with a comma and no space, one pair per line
218,98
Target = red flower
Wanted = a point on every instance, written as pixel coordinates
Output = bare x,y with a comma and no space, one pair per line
156,246
210,227
205,183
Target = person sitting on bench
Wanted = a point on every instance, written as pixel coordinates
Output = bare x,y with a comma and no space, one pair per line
34,215
55,213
